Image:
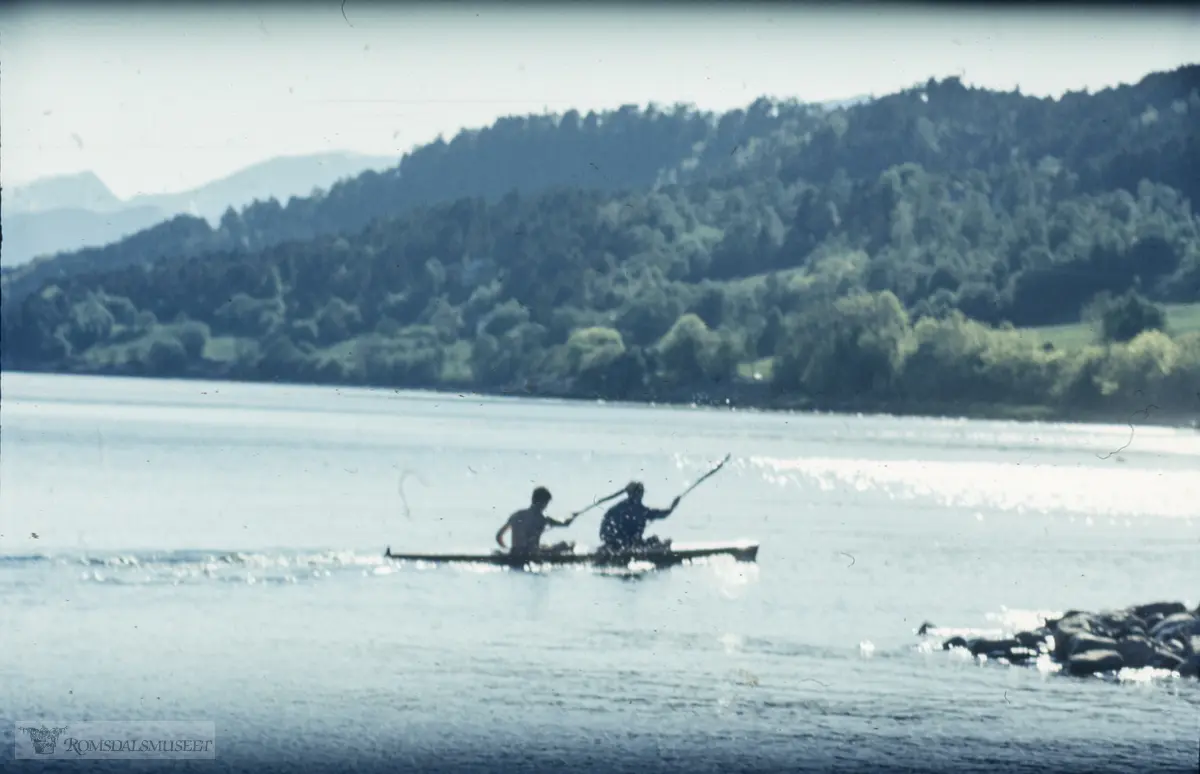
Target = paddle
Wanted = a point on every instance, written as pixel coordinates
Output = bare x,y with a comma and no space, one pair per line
621,491
703,478
695,484
601,501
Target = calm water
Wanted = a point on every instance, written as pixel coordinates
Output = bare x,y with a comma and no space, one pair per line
212,552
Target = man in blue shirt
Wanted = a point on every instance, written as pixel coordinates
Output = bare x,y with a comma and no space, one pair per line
625,523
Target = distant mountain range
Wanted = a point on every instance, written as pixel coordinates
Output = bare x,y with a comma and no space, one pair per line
67,213
71,212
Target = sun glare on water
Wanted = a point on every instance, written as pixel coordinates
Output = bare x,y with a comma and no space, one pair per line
999,486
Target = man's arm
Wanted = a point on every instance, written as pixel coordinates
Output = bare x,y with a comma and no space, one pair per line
654,514
500,534
557,523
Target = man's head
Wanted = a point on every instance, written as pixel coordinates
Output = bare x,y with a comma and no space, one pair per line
634,491
541,497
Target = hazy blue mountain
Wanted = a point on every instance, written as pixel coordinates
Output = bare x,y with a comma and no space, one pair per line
280,178
31,234
82,191
71,212
847,103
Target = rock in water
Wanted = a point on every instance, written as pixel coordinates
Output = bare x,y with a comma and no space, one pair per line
1069,618
1020,655
1140,652
1077,635
1036,639
1119,624
1169,661
1159,608
1153,620
1179,625
1160,635
1082,642
1094,662
992,648
1073,622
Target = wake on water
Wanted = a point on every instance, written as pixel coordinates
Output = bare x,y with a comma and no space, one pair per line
191,566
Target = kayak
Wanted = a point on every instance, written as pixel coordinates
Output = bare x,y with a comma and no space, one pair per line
670,556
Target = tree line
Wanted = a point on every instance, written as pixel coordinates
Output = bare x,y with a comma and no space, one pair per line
884,255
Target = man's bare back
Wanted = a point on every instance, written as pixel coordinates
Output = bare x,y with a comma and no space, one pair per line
528,524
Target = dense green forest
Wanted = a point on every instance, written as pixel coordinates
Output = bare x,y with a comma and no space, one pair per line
894,255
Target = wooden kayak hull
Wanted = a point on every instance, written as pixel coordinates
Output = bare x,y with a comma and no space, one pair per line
676,554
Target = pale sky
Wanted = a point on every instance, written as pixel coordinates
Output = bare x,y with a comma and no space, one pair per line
160,98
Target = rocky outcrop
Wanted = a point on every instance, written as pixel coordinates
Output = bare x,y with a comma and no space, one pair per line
1161,635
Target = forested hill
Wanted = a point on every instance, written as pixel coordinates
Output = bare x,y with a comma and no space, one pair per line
625,149
1111,139
875,256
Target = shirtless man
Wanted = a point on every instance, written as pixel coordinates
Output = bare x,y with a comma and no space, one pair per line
528,524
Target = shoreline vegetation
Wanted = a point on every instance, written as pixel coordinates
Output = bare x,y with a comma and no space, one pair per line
941,251
745,397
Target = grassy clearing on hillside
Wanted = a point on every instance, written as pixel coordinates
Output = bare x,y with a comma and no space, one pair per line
456,368
223,349
127,345
1181,318
759,370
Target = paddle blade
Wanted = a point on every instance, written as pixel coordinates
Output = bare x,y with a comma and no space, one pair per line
703,478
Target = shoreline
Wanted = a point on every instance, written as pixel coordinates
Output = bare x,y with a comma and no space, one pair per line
741,397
